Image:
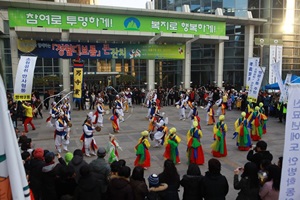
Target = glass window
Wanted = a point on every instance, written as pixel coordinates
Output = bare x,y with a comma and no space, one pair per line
39,62
47,61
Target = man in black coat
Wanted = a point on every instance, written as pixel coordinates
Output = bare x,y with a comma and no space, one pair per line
261,153
215,185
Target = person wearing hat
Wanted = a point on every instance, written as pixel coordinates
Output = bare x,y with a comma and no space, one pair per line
156,189
171,142
54,112
243,140
89,143
119,108
68,157
219,148
256,124
101,169
161,130
210,117
249,108
194,147
115,119
112,149
152,119
128,95
181,103
36,164
142,151
99,112
28,116
60,133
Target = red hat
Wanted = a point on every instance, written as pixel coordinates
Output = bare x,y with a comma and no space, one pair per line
38,153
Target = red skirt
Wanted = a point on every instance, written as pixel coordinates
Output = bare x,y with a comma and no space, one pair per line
146,162
196,155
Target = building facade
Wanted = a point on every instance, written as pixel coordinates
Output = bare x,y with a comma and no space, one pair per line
203,63
282,25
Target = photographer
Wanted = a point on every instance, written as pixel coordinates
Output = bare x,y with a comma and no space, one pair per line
261,153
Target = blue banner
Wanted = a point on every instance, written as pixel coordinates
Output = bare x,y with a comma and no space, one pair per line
49,49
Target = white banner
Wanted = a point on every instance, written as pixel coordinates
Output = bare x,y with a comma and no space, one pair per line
290,176
275,56
11,164
284,94
252,62
24,78
277,75
255,82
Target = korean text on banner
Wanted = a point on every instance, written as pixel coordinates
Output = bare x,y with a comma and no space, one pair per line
284,94
252,62
255,82
11,164
275,56
275,67
24,78
78,79
290,177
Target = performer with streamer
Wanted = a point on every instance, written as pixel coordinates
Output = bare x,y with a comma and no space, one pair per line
194,147
219,148
142,151
241,132
89,144
60,134
115,119
172,141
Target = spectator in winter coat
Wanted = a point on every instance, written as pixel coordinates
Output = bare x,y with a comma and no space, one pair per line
88,186
77,162
120,188
261,153
171,177
215,185
249,183
191,182
138,184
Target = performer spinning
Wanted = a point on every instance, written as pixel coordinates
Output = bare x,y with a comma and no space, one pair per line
112,149
99,112
54,112
119,108
181,105
89,143
219,148
152,120
115,119
142,151
210,117
171,142
194,148
162,130
60,134
256,124
241,132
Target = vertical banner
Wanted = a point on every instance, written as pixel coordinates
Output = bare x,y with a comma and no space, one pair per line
78,79
252,62
284,94
255,82
275,56
24,78
290,176
275,68
11,164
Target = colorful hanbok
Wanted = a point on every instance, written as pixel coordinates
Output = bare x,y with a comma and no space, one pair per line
115,120
257,124
112,149
172,141
194,148
142,151
211,115
241,132
219,148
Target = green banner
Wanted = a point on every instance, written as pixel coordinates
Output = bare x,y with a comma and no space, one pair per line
81,20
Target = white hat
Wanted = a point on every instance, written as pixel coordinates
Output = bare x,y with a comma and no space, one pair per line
90,115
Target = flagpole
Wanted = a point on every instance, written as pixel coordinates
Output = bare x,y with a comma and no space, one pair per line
14,163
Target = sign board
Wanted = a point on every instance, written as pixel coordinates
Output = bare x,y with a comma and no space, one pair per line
98,21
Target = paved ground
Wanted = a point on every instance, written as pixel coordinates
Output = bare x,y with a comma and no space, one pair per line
135,122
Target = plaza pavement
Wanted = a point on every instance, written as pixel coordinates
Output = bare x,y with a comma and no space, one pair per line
135,122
